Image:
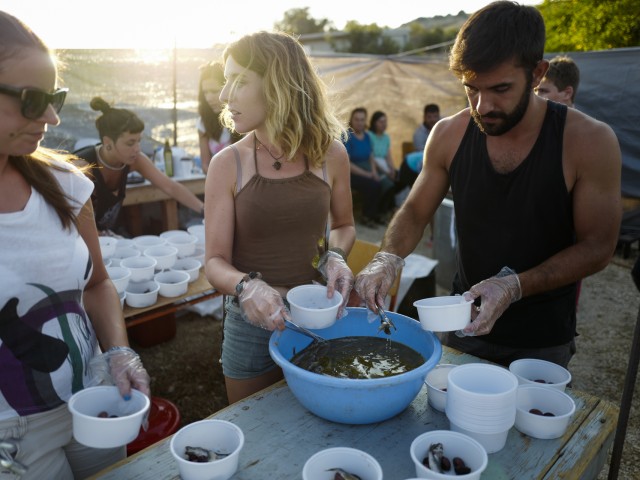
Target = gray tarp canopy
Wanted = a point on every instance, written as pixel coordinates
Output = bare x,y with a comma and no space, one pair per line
400,86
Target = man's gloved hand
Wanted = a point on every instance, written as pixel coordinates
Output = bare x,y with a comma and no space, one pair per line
338,275
262,305
127,371
496,294
375,280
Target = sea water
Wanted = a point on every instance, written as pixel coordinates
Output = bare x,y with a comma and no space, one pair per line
139,80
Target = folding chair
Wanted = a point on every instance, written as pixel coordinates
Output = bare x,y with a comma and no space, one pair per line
361,254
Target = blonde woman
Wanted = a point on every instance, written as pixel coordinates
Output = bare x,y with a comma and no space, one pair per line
270,199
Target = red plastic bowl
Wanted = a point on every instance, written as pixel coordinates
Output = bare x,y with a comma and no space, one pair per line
164,420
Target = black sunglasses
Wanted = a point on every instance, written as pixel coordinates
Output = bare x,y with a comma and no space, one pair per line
34,102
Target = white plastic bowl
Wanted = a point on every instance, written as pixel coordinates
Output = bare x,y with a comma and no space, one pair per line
444,314
491,442
198,231
142,294
185,243
348,459
198,254
169,233
547,400
142,267
533,371
165,255
188,265
123,252
97,432
310,307
120,277
216,435
172,283
107,246
454,444
437,386
145,241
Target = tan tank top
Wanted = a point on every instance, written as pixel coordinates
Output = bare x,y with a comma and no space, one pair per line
279,224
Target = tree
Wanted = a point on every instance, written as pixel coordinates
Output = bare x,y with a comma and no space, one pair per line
581,25
368,39
297,21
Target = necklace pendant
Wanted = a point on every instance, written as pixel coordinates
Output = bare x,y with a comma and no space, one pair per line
277,165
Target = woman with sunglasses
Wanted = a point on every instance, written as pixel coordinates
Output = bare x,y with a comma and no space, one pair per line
58,305
270,200
118,154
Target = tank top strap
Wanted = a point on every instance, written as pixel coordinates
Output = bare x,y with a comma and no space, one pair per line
236,155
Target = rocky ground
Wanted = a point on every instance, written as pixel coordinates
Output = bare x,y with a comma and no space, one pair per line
186,370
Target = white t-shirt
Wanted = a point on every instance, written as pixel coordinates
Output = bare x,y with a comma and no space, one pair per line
214,145
46,339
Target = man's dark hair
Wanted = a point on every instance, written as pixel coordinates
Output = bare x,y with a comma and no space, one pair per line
431,108
500,32
563,73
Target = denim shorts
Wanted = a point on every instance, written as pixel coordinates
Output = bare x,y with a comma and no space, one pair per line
245,348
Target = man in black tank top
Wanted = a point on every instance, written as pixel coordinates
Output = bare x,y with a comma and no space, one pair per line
536,191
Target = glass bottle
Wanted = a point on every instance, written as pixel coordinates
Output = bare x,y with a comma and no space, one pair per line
168,159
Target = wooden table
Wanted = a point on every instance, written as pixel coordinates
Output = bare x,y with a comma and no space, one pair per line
280,435
198,291
145,192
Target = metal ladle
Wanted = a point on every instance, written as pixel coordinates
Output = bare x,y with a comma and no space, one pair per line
297,328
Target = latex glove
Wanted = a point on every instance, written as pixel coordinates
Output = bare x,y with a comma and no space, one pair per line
127,371
496,294
375,280
338,275
262,305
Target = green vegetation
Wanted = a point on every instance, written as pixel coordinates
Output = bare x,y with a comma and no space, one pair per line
297,21
582,25
572,25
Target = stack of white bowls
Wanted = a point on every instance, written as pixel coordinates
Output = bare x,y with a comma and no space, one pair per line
481,403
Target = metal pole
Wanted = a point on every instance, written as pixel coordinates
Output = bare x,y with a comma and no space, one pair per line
625,403
175,92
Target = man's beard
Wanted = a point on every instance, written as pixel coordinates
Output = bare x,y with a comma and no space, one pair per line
509,120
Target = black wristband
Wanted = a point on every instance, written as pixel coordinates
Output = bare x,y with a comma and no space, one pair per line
340,252
249,276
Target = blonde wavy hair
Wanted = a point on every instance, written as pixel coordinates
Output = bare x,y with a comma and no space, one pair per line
299,117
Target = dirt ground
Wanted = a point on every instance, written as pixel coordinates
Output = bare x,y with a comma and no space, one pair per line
186,369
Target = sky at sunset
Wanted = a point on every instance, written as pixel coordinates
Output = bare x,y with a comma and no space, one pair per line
198,23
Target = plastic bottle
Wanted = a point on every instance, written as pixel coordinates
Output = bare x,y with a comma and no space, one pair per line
168,159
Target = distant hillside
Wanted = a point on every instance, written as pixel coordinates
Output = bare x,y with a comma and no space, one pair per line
439,21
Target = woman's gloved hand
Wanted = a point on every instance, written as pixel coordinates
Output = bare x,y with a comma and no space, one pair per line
127,371
496,294
262,305
375,280
338,275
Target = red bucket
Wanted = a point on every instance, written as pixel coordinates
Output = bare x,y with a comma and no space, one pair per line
164,420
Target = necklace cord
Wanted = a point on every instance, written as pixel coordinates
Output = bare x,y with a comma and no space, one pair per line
277,164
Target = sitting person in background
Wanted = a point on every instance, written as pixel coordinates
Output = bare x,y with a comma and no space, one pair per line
412,163
560,83
212,136
381,143
431,115
376,188
111,161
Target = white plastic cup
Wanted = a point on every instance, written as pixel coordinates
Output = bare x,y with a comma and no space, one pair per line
216,435
350,460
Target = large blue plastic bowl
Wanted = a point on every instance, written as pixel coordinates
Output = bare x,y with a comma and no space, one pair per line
352,401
